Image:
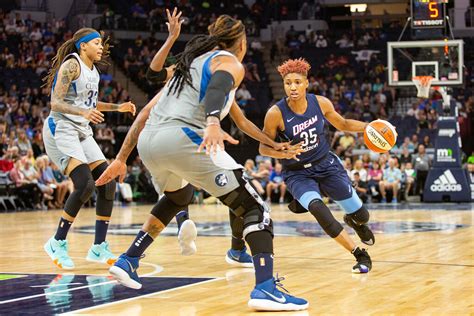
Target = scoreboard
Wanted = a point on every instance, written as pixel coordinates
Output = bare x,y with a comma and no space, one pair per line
428,14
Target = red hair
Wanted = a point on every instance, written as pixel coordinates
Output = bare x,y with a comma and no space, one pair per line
299,66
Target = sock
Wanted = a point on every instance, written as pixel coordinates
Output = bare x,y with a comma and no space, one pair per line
181,217
140,244
263,263
100,231
237,244
63,228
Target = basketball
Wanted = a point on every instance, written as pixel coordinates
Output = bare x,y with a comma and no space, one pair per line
380,136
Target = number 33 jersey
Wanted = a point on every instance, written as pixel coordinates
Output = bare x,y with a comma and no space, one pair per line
307,128
82,94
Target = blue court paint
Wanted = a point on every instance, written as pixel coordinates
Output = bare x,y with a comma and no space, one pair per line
63,293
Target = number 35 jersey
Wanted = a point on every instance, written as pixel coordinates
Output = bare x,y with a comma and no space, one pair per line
307,128
82,94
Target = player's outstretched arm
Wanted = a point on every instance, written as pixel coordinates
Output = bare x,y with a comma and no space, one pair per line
155,72
273,123
337,120
118,168
69,71
123,107
249,128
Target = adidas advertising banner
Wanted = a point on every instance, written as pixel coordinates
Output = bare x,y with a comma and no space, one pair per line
451,185
448,144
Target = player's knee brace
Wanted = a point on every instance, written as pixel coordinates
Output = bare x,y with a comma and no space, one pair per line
105,193
359,217
171,203
84,186
325,218
246,203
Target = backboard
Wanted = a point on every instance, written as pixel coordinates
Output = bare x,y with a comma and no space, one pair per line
444,60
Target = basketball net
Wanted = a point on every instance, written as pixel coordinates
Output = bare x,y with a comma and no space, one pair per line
423,85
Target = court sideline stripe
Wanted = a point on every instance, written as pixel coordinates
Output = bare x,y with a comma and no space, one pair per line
141,296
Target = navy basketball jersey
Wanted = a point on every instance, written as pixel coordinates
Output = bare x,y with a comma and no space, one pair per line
307,128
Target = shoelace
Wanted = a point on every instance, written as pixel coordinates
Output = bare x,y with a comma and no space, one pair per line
279,284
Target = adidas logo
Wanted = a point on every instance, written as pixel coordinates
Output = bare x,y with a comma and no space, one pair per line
446,183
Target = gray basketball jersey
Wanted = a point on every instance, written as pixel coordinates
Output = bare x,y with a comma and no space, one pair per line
188,108
82,93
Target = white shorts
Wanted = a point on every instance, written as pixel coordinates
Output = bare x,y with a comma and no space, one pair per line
170,154
63,142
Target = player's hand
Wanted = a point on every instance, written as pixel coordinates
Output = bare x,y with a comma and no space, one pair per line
280,146
174,24
128,107
293,151
94,116
214,139
116,169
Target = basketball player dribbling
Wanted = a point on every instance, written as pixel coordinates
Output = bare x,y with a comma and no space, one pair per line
185,120
299,118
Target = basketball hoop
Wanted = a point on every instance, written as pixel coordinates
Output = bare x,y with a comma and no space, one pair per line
423,84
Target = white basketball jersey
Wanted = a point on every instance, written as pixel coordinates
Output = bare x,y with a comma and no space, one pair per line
188,107
82,94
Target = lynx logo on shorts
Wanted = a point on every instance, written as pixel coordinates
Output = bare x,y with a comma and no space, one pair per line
221,180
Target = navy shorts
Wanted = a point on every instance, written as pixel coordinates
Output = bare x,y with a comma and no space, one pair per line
329,177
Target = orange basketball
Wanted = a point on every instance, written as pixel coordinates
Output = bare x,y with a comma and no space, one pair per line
380,136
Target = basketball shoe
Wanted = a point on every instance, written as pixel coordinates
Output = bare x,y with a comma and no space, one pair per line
57,250
363,231
101,253
239,258
364,263
267,297
187,238
124,271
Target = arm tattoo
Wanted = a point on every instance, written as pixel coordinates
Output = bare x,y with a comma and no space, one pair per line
132,136
69,72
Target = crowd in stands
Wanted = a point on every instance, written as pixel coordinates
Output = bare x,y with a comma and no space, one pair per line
347,67
26,50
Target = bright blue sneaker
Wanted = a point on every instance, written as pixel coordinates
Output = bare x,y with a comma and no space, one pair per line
101,253
125,271
239,258
57,250
266,297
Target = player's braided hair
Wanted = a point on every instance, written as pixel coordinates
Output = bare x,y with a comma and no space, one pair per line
69,47
223,33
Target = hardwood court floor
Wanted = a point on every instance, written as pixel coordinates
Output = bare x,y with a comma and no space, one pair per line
423,263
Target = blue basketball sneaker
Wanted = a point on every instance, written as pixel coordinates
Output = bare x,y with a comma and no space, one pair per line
57,250
125,271
266,297
239,258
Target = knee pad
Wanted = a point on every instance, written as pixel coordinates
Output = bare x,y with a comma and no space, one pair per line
246,203
171,203
325,218
360,217
296,207
105,193
183,197
84,186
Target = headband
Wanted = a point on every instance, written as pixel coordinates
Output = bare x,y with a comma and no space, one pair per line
86,38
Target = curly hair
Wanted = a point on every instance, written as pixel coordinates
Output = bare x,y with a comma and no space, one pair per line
299,66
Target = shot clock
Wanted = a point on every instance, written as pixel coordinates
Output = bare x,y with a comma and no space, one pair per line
428,14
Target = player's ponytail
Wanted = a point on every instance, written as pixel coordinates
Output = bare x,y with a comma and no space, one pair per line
69,47
223,33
